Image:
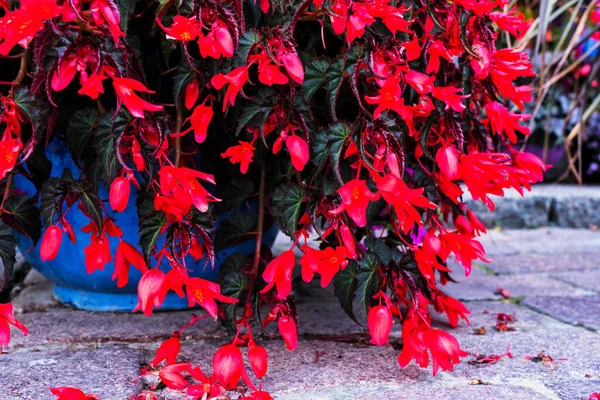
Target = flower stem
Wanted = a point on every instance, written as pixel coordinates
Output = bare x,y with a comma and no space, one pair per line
261,219
23,68
178,124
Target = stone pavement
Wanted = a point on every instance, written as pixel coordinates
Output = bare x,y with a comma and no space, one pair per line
552,273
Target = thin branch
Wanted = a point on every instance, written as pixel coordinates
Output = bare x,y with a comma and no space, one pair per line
261,219
178,124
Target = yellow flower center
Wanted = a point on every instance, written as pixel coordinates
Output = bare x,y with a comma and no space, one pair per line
198,294
355,194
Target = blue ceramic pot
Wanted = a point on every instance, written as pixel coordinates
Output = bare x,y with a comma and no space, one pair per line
97,291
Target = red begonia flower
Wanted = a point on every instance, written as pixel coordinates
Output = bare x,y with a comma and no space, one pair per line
298,149
69,393
279,272
348,241
293,66
191,94
168,351
119,194
9,152
242,153
7,317
171,376
436,50
447,160
125,87
422,83
107,11
218,42
125,256
236,79
183,29
50,243
97,253
92,85
288,331
448,95
65,72
20,26
151,291
204,293
501,120
228,367
355,200
452,307
380,324
258,357
199,120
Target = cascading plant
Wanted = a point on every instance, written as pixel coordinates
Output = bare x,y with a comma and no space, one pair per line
360,123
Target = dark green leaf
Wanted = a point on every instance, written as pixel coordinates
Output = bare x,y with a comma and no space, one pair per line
233,263
107,133
8,250
235,192
247,41
335,135
39,167
48,203
314,77
184,75
234,229
126,9
256,112
368,281
89,201
80,130
151,223
345,287
286,203
335,78
21,214
234,284
380,249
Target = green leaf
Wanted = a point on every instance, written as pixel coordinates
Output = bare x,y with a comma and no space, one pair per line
23,216
368,281
151,223
233,263
247,41
335,78
314,77
345,287
48,202
335,135
126,9
8,251
107,134
234,192
79,131
256,112
380,249
183,76
234,230
286,203
233,284
89,201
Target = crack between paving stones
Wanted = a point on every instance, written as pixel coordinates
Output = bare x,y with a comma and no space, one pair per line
538,311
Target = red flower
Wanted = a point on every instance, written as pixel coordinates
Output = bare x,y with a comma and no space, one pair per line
9,152
151,291
119,194
107,11
20,26
512,22
236,79
124,87
218,42
50,243
199,120
69,393
452,307
465,249
500,120
288,331
483,65
268,73
422,83
448,95
228,367
261,395
445,350
404,201
7,317
348,241
182,29
205,293
298,149
127,255
293,66
191,94
339,17
171,376
436,50
243,153
326,262
92,85
180,190
447,160
65,72
97,253
380,324
168,351
390,98
355,200
279,272
413,50
427,255
258,357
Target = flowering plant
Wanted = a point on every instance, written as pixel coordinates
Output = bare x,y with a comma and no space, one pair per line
352,120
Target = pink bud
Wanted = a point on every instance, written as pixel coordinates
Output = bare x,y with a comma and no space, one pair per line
293,66
224,39
151,290
348,240
287,329
191,94
258,359
227,365
119,194
380,325
50,243
298,149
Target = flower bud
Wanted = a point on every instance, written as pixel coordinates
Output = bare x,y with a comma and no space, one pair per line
447,159
287,329
227,365
258,357
191,94
293,66
380,324
119,194
298,151
50,243
348,241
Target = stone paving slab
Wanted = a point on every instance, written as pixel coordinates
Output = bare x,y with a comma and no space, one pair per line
585,279
535,263
64,326
548,241
479,286
576,310
106,372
